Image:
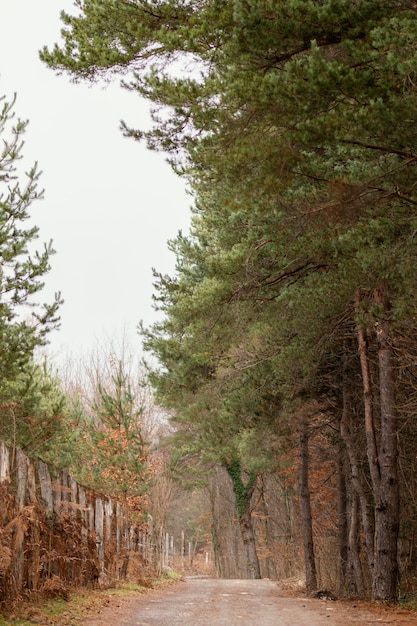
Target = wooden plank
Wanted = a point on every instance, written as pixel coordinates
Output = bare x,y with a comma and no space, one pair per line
46,486
4,463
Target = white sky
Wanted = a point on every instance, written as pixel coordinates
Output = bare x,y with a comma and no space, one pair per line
110,205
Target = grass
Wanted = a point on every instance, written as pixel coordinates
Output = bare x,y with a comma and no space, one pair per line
56,610
80,604
408,602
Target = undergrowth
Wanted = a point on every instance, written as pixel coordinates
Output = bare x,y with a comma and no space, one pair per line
78,604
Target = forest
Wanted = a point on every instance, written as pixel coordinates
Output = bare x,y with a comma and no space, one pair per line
272,420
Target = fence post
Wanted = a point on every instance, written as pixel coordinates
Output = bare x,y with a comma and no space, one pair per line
81,514
46,486
99,531
4,463
182,548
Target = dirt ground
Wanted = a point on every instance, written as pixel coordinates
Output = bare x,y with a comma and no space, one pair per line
212,602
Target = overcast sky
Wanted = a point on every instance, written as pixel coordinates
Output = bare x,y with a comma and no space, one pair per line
110,205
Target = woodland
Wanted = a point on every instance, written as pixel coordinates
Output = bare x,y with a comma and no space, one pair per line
274,420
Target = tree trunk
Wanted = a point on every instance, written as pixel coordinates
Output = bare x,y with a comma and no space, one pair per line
243,495
248,537
305,506
371,444
382,458
342,521
387,508
354,574
217,514
359,480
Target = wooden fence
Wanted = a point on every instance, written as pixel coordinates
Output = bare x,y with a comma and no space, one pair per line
55,533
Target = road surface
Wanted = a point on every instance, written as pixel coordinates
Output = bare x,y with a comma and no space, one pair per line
212,602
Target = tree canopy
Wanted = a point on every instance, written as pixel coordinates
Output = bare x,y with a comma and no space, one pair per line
294,122
31,403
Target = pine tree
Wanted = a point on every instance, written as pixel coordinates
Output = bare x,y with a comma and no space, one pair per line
296,130
24,324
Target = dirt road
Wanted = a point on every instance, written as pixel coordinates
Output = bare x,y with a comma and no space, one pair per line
209,602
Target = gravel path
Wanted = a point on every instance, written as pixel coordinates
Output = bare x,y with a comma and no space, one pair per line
212,602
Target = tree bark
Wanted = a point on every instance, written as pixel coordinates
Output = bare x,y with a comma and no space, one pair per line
243,494
248,537
305,507
354,574
359,480
342,521
382,458
387,507
371,443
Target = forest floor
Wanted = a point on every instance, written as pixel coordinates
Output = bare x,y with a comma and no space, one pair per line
214,602
211,602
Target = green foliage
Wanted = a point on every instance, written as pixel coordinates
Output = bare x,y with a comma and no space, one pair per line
285,116
35,416
242,491
32,408
113,441
294,123
23,323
